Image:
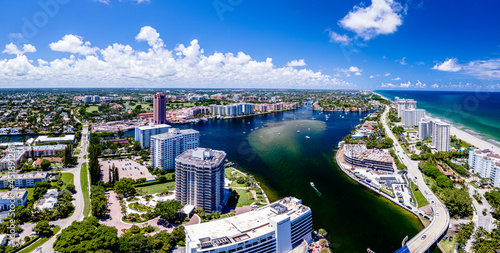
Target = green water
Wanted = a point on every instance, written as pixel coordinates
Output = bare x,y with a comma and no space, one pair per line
285,162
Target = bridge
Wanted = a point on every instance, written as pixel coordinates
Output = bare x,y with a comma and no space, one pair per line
441,217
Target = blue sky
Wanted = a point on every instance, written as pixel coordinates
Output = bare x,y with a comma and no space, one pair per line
373,44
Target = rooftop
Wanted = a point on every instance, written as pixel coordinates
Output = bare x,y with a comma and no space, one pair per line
202,157
172,132
244,226
31,175
152,126
15,193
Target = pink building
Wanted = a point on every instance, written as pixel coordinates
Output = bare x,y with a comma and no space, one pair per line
159,108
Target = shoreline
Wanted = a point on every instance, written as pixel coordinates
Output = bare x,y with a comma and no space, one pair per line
256,182
460,131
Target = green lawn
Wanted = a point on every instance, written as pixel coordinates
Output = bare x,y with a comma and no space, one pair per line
228,172
448,247
245,198
30,192
68,178
92,108
156,188
39,242
77,152
85,189
144,106
421,201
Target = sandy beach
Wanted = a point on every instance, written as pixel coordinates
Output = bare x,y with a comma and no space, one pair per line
471,139
465,136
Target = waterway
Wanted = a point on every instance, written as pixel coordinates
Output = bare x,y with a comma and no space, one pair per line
285,162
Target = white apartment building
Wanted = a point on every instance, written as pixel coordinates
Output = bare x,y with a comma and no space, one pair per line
278,227
486,164
411,117
143,133
25,180
199,178
425,129
167,146
441,136
16,197
403,104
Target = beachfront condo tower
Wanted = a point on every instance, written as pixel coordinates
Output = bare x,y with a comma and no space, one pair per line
167,146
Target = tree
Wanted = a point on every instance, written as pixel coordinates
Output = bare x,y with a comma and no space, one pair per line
322,232
458,202
125,186
86,236
137,146
120,133
45,164
42,228
98,202
167,209
388,141
70,187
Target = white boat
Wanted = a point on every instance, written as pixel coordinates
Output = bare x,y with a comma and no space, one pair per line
298,131
309,128
244,132
312,184
307,137
248,123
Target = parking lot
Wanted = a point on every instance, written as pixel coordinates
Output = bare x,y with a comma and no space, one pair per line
126,169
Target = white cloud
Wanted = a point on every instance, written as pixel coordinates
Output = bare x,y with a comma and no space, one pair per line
103,1
296,63
387,85
405,85
73,44
339,38
420,84
381,17
403,61
13,49
185,66
372,77
357,71
387,74
450,65
435,86
396,79
486,69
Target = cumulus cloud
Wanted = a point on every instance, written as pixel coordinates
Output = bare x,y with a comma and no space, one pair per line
296,63
396,79
339,38
381,17
485,69
403,61
348,71
435,86
372,77
450,65
73,44
387,74
184,66
405,85
13,49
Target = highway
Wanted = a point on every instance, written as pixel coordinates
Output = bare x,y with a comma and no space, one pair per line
47,247
441,218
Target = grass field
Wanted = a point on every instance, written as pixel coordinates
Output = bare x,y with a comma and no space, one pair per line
30,192
421,201
38,243
85,189
448,247
77,152
68,178
245,198
156,188
92,108
144,106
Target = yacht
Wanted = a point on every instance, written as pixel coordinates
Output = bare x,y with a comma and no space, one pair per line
298,131
312,184
307,137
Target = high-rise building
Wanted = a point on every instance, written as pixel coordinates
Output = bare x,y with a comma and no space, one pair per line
199,178
143,133
167,146
278,227
403,104
411,117
159,108
441,136
425,129
95,99
486,164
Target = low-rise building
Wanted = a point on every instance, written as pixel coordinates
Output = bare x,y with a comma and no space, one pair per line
375,159
16,197
25,180
278,227
45,139
16,154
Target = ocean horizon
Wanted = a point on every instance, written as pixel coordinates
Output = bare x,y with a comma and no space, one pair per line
471,111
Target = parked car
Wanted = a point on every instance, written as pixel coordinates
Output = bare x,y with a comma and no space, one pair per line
451,238
424,236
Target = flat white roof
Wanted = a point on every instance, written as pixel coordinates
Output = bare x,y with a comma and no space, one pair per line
153,126
245,226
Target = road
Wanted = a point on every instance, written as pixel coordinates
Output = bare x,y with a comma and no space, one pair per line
441,217
47,247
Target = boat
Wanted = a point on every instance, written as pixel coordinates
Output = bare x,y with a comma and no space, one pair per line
307,137
244,132
279,133
248,123
298,131
312,184
309,128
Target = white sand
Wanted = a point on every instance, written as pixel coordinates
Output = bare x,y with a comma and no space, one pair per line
474,140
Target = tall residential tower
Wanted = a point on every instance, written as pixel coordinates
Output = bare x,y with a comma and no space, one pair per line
159,108
167,146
